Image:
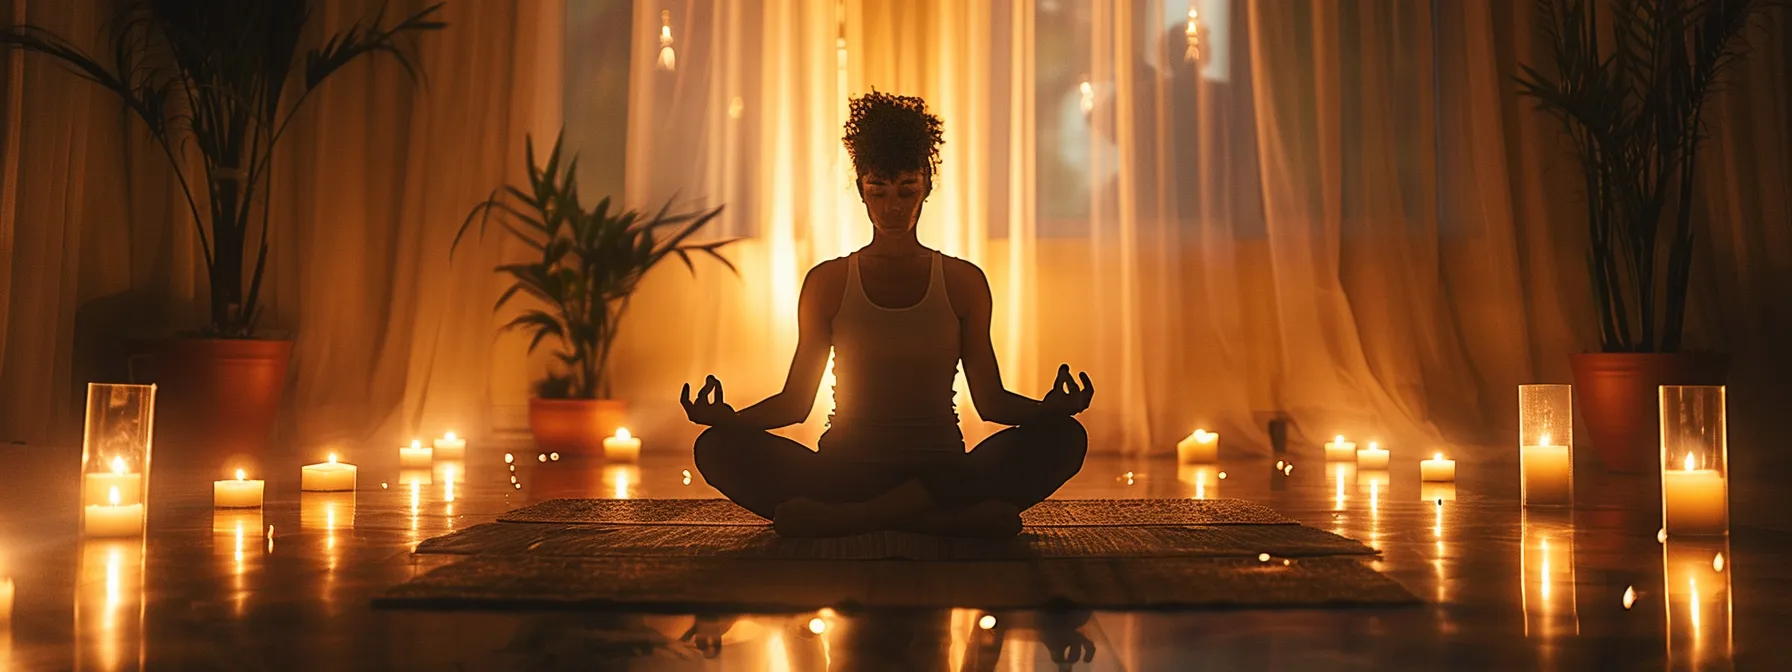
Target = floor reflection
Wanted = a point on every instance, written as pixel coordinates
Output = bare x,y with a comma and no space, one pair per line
109,605
1546,564
1696,582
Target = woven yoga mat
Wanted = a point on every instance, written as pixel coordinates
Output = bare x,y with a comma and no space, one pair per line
760,542
682,585
1049,513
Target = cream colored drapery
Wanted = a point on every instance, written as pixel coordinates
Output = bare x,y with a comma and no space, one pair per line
1342,214
393,340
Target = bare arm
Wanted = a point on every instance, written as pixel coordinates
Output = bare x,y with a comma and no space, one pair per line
994,402
816,306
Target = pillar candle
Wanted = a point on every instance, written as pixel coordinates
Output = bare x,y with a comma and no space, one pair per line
415,456
451,447
1201,446
1437,469
329,476
1373,457
96,486
238,494
114,519
622,446
1548,474
1339,450
1695,501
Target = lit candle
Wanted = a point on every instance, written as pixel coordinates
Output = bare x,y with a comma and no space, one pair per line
1437,469
1694,500
237,494
114,519
451,447
622,447
1373,457
1548,473
98,485
1339,450
1201,446
329,476
416,456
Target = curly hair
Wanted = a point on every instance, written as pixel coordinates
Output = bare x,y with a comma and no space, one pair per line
888,134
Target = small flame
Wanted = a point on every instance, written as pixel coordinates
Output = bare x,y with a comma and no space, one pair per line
117,465
622,433
1629,596
112,495
332,458
1717,562
239,474
1374,446
1689,461
1437,456
1543,441
416,444
449,436
1338,439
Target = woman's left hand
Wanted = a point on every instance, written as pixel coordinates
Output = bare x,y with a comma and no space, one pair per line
1066,399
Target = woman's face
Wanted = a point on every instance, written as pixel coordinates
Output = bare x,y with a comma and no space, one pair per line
894,204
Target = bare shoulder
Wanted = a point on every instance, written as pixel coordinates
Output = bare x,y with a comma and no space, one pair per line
823,286
966,284
828,273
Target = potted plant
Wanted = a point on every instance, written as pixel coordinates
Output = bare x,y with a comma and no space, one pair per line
1633,110
216,83
589,265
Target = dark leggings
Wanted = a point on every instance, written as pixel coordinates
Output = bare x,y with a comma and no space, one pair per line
1019,465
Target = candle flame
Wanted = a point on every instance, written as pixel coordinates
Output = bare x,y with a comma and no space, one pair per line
117,465
332,458
1543,441
239,474
449,436
1717,562
1689,461
1373,446
1338,439
1437,456
416,444
622,433
112,495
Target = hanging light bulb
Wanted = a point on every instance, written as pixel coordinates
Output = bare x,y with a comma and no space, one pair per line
1194,36
668,58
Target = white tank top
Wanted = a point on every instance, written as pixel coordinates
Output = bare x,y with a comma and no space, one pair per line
894,367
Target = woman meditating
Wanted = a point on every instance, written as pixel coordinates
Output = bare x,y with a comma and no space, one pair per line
899,318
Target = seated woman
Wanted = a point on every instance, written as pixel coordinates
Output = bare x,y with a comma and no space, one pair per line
899,318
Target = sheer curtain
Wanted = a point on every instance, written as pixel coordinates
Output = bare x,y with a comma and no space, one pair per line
1340,213
392,339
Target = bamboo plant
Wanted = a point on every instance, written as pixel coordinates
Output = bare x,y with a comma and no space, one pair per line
1629,87
217,83
589,263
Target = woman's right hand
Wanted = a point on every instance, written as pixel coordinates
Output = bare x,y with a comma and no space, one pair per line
710,408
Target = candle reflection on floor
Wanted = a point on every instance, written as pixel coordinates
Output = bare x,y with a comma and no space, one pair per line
1204,477
109,605
1696,582
235,534
620,480
1546,565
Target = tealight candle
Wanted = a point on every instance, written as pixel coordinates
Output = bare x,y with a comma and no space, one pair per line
1693,500
1339,450
329,476
1437,469
238,494
622,447
1373,457
1201,446
451,447
96,486
416,456
1548,473
114,519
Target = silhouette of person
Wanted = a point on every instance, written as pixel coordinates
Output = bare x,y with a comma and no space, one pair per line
899,318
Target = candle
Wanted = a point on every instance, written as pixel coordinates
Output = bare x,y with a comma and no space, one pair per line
451,447
622,447
114,519
1437,469
1694,501
98,485
1548,473
237,494
416,456
1339,450
1201,446
1373,457
329,476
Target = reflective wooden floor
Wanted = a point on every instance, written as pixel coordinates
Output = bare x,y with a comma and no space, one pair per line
1506,590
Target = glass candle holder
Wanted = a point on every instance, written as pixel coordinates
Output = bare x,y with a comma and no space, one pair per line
1546,444
115,458
1546,564
1695,492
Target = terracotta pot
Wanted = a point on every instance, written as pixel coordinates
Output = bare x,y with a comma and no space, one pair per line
1618,396
575,426
218,399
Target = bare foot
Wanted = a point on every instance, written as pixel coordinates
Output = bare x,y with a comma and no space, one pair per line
804,517
988,520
